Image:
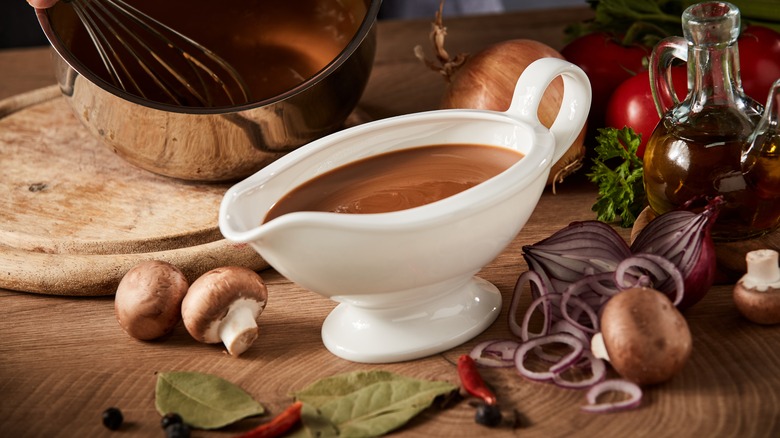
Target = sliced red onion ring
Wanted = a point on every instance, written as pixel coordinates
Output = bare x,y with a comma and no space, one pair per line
495,353
602,283
546,301
534,279
684,239
592,314
505,348
632,389
660,269
565,362
598,370
485,358
564,326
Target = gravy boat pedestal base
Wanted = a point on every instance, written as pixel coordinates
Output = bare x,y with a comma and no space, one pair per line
416,330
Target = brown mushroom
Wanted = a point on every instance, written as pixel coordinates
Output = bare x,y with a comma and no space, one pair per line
757,293
148,299
223,305
643,336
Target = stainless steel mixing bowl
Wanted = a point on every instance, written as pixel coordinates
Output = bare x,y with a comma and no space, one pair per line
213,144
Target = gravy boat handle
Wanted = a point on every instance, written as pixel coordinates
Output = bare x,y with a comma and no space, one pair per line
574,108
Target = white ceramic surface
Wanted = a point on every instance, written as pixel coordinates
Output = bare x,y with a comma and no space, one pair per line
405,279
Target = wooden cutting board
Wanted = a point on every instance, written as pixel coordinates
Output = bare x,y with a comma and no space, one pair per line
75,216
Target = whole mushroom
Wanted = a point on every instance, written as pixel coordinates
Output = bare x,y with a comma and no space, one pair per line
223,305
757,293
643,336
148,299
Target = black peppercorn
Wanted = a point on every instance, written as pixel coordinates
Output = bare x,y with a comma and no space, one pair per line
488,415
169,419
177,430
112,418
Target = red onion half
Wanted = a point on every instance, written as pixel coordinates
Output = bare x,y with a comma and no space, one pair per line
674,254
580,249
574,273
683,237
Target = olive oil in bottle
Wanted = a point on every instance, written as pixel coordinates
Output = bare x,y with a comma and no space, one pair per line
697,150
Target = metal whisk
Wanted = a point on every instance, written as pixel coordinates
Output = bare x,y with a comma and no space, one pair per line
148,58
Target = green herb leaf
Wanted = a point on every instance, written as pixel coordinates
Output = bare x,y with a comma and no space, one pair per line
636,21
204,401
366,404
621,187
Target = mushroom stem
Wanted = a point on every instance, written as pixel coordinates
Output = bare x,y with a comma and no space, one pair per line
762,269
238,329
598,348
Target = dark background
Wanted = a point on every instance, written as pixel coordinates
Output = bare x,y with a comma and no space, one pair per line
19,27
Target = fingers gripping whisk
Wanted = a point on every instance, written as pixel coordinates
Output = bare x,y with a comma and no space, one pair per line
149,59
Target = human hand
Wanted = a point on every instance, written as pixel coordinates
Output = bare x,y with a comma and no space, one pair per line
42,4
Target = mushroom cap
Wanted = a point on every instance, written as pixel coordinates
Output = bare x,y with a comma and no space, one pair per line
646,337
210,297
757,293
761,307
148,299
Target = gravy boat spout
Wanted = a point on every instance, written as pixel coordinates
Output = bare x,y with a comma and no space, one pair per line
405,279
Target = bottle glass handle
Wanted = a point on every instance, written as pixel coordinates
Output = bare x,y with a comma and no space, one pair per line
664,54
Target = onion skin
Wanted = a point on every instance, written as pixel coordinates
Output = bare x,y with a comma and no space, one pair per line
486,80
684,238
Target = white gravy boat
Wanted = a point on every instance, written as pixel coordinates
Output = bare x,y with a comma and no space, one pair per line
405,280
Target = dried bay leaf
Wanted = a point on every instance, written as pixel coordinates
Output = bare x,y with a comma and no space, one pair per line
204,401
366,404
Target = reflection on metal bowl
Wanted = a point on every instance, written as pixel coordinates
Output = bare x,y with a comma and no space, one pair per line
228,142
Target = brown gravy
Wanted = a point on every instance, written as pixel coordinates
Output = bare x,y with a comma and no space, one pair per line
273,45
398,180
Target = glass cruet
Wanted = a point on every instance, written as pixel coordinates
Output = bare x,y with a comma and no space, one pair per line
695,150
761,156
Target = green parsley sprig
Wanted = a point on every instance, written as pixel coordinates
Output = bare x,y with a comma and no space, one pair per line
618,173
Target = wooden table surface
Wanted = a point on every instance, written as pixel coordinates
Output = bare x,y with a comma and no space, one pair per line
64,360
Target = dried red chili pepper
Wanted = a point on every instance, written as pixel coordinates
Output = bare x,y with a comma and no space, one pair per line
278,425
488,413
472,382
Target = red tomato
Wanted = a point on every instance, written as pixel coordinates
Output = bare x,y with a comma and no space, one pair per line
632,104
607,64
759,60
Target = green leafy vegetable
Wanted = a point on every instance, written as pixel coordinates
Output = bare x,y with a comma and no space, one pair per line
621,187
648,21
366,404
637,21
204,401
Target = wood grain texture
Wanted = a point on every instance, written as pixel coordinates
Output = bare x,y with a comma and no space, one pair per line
76,216
64,360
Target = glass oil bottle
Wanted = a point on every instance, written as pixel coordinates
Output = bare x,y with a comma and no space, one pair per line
696,150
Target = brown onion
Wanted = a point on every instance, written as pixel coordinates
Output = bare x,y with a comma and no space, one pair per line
486,80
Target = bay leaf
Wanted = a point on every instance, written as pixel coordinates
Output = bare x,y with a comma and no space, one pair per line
366,403
204,401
